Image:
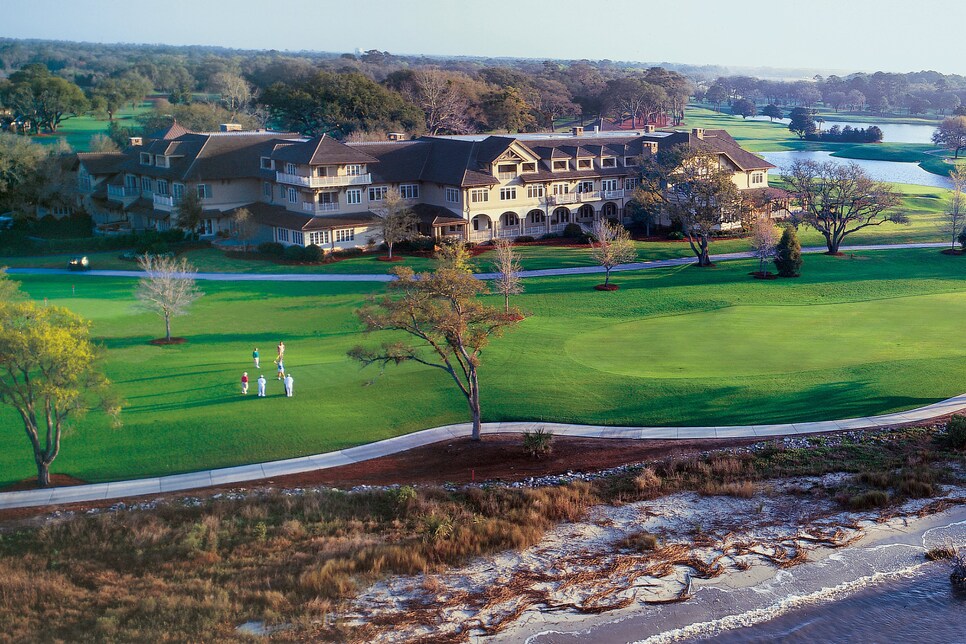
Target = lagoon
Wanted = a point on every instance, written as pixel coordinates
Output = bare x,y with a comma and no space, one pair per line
891,171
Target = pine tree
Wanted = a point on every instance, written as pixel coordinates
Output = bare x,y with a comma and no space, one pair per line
788,254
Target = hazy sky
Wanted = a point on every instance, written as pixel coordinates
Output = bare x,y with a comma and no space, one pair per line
847,35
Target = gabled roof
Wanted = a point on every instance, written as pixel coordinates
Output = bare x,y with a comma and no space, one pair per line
101,162
431,215
173,131
321,150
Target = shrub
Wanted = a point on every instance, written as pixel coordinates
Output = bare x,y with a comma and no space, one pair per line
271,248
294,253
675,235
955,436
961,238
549,236
524,239
572,231
640,541
538,443
313,253
788,253
868,500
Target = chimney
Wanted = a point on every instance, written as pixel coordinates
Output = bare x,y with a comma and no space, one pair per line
596,129
648,129
578,131
135,141
396,136
698,132
230,127
650,145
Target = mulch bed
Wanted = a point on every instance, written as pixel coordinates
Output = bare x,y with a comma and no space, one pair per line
763,275
56,480
386,258
952,251
606,287
160,342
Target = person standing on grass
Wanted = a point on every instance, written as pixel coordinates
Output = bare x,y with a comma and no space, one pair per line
289,384
245,383
281,351
281,369
261,385
255,358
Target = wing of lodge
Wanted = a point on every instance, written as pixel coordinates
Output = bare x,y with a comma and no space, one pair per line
321,191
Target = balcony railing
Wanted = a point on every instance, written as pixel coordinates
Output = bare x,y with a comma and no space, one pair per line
555,200
582,197
121,192
323,182
316,208
613,194
506,176
163,201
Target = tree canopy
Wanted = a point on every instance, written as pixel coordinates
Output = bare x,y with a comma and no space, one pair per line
34,94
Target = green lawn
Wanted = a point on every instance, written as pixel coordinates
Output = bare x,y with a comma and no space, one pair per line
77,131
682,346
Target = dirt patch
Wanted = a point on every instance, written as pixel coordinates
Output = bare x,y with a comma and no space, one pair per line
160,342
386,258
606,287
56,480
763,275
952,251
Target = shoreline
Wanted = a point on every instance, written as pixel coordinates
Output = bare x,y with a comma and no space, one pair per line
719,562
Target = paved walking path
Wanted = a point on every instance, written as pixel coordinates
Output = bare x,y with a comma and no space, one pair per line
257,471
375,277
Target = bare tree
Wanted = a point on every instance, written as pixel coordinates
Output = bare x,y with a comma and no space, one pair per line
168,288
955,217
244,227
764,240
611,247
448,324
837,200
441,98
236,92
508,266
396,221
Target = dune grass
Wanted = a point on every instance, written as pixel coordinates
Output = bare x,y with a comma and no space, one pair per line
184,409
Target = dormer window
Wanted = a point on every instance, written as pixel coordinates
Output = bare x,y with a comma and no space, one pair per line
529,167
559,165
145,158
266,163
630,162
506,171
584,164
161,161
608,162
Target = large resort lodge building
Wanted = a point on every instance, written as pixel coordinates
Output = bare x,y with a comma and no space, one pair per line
321,191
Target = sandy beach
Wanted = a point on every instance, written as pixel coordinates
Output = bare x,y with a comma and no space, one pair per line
673,568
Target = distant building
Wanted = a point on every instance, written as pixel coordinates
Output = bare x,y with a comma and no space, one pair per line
321,191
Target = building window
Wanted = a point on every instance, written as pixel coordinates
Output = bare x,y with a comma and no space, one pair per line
630,183
353,170
204,192
162,187
452,195
131,181
506,171
630,162
319,171
289,168
534,191
161,161
319,238
145,158
559,165
757,178
293,195
529,167
281,192
508,194
609,162
479,196
177,190
561,188
584,164
281,234
585,186
298,238
266,163
267,189
378,193
353,196
409,191
145,184
608,185
344,235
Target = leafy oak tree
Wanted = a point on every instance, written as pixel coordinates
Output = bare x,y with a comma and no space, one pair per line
45,100
48,374
837,200
447,323
951,134
955,215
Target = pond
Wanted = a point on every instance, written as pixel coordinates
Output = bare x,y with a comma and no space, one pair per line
891,171
891,132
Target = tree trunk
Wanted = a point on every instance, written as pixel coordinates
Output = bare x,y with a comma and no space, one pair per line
833,245
43,473
390,250
474,403
506,302
607,277
167,326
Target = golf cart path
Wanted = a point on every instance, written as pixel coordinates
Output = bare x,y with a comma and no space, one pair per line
376,277
258,471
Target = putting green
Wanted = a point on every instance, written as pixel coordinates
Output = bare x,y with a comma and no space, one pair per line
760,340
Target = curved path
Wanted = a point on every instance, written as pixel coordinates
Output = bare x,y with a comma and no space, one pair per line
257,471
375,277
